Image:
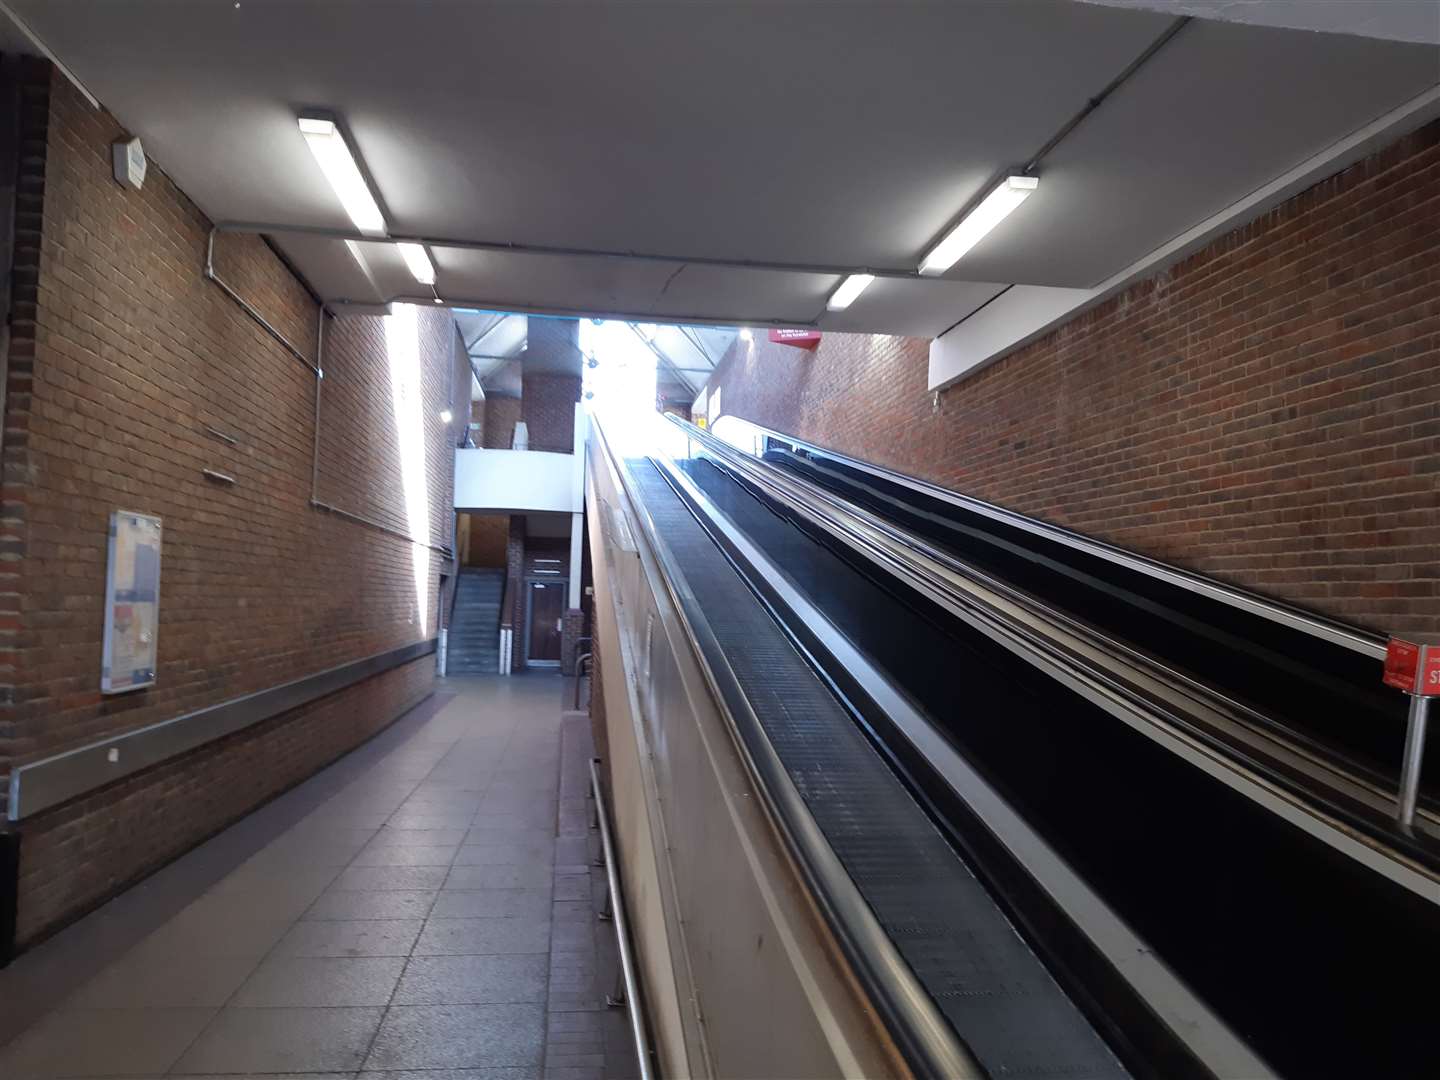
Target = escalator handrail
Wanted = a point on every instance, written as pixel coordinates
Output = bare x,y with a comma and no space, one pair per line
1373,842
1338,633
925,1039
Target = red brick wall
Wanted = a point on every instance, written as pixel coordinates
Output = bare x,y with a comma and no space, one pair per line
1266,411
501,413
548,402
134,353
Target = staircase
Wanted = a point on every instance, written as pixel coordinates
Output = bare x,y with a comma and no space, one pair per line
474,642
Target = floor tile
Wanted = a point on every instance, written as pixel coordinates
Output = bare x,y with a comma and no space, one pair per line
321,982
458,937
457,1074
387,904
77,1042
389,878
490,902
512,853
389,837
473,980
283,1040
341,938
407,855
459,1036
150,980
533,876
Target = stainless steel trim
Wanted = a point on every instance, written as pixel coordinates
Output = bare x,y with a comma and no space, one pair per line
926,1039
1190,1022
220,435
39,785
218,477
633,1001
1139,699
1334,632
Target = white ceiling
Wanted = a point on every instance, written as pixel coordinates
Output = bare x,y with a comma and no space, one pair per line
818,137
1396,20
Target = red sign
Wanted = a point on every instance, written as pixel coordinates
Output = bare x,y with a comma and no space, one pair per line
1430,672
801,339
1402,661
1413,668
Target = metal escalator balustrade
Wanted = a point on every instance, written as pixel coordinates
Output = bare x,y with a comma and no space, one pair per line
1177,840
1354,813
1306,684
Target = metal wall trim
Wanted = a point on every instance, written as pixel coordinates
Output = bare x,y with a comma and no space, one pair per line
39,785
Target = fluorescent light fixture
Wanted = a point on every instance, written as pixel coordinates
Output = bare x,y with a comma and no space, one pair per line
333,155
418,260
845,294
446,416
996,207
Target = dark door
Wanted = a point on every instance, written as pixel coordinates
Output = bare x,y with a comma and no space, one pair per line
547,607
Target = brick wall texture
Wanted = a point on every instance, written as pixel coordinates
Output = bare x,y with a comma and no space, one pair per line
549,389
500,416
128,354
1266,411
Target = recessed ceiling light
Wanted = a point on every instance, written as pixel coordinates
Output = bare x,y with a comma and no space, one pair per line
418,260
745,334
846,292
333,155
995,208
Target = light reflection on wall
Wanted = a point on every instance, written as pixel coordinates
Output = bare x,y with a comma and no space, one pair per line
402,339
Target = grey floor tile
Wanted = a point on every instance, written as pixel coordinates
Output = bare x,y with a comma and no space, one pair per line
507,853
489,832
533,876
459,937
457,1074
283,1040
473,980
454,904
389,837
118,1042
154,980
572,887
358,937
459,1036
386,904
407,855
320,982
389,878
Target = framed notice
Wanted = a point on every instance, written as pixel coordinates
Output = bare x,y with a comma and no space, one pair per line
132,603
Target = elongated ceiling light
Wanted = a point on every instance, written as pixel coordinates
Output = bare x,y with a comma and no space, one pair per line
333,155
418,260
995,208
846,292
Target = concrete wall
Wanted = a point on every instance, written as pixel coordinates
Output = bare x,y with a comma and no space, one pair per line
1266,411
124,354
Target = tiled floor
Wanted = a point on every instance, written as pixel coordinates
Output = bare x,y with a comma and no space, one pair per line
432,918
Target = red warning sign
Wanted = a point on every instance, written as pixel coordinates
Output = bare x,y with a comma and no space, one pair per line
1413,668
1402,661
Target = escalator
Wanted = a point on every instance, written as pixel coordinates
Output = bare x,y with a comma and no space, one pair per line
1072,895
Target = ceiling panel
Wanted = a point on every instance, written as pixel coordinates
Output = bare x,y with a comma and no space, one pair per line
848,135
1222,110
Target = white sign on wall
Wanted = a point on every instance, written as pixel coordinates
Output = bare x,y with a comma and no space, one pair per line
132,603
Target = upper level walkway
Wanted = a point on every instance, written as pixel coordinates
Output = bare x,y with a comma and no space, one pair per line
425,907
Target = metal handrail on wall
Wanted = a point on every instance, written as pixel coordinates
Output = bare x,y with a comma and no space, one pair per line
632,1000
